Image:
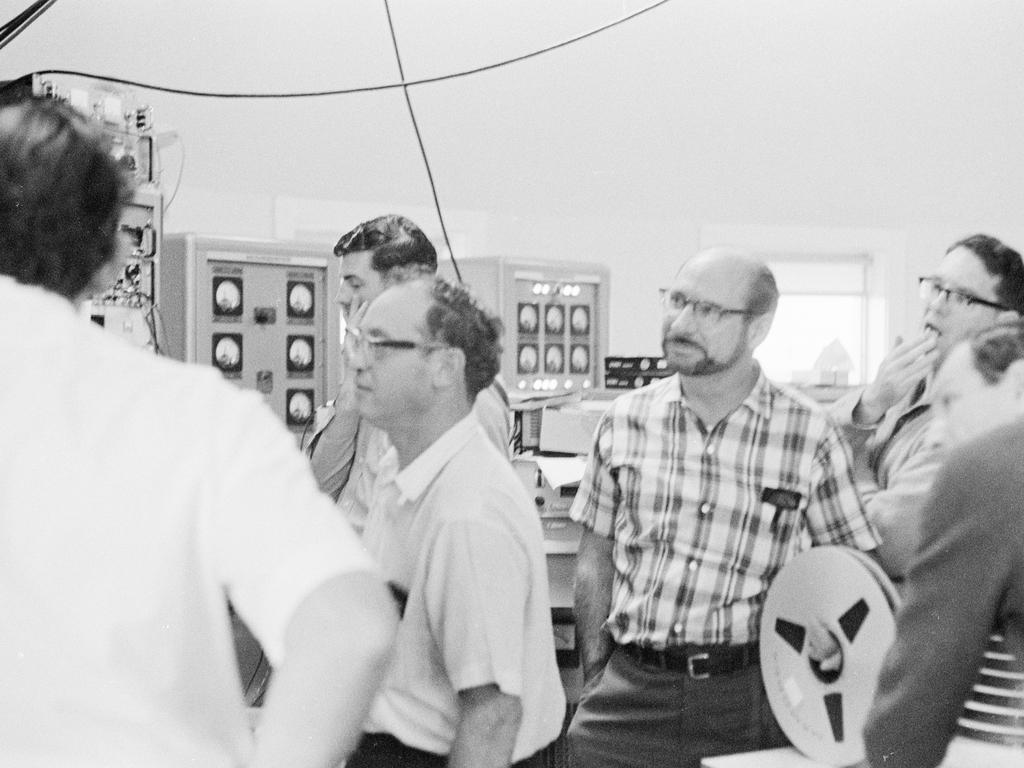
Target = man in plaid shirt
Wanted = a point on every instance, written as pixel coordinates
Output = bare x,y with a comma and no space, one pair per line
699,488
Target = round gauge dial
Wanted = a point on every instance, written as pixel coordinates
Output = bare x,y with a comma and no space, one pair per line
554,359
579,359
227,353
300,354
579,320
554,319
528,359
300,407
300,299
228,296
528,319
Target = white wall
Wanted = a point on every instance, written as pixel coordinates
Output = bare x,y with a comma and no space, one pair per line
796,120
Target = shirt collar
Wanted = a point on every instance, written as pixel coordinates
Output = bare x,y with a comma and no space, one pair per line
758,400
413,480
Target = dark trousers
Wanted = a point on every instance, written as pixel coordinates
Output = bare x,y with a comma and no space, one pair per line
635,716
382,750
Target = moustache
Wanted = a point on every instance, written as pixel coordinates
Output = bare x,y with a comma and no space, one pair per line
681,340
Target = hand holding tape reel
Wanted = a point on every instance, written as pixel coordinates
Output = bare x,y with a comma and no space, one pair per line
826,596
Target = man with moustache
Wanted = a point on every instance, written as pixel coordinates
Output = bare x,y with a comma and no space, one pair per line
979,282
699,488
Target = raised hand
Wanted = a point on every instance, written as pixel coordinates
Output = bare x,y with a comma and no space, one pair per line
906,364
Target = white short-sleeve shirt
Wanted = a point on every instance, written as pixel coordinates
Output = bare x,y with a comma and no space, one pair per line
136,495
457,531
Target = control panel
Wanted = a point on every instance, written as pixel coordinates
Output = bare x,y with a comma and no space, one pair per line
128,307
126,121
556,320
260,312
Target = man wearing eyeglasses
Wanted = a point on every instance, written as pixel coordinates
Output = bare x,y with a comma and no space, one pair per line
978,283
698,489
474,682
344,452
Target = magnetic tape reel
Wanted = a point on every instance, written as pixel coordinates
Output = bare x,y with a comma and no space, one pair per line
824,712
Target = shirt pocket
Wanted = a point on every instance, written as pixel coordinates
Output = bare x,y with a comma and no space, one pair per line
781,511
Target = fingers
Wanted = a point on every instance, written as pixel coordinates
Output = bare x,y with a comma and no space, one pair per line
823,647
357,310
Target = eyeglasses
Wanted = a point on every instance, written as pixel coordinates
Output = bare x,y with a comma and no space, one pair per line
703,311
370,349
930,289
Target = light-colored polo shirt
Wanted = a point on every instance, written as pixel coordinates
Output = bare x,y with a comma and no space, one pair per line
458,532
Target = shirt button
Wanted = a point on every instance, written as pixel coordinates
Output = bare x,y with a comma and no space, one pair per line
678,628
705,508
710,450
692,565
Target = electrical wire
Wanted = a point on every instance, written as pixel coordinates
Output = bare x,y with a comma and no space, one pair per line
361,89
181,172
419,140
403,84
23,20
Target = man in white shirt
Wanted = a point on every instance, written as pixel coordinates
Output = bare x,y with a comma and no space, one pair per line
346,452
135,494
474,682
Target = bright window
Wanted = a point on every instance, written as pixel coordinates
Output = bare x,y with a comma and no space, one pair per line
824,322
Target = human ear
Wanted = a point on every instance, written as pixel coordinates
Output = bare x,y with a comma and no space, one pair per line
1015,374
448,367
757,329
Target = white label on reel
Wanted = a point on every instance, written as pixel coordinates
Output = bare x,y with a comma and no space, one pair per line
793,692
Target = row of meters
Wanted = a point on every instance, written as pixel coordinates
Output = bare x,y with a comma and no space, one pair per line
228,354
528,359
529,318
229,299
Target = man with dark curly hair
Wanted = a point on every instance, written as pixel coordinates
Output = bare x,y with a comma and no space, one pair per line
116,648
474,680
344,451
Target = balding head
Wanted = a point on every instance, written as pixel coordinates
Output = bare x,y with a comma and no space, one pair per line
719,309
734,265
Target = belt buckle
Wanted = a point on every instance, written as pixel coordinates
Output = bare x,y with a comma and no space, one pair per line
705,657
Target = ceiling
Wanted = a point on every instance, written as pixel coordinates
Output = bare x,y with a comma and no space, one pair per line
808,112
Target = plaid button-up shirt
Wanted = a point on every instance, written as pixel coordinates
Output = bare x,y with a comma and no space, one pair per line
702,521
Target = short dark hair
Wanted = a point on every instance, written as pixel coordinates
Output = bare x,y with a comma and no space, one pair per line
393,241
457,319
764,292
996,348
61,195
1001,261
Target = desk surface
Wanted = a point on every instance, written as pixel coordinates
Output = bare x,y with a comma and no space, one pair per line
963,753
769,758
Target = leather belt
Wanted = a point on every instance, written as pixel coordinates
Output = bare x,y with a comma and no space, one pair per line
698,661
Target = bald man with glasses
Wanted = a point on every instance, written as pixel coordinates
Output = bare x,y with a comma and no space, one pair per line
698,489
979,282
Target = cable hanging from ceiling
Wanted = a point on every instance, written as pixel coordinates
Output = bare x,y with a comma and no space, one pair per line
361,89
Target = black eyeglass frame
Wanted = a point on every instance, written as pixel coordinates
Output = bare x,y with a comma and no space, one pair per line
364,344
930,288
703,310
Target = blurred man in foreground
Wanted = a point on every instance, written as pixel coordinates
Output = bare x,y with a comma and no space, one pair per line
136,494
968,577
